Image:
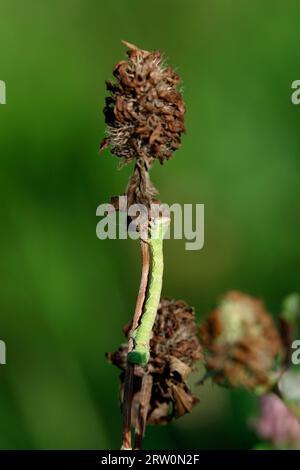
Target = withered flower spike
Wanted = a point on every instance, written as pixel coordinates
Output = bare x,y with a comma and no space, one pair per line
175,349
144,115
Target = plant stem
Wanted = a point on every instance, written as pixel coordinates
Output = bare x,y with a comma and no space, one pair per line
126,407
142,289
129,374
140,428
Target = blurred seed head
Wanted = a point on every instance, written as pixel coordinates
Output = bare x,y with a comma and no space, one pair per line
242,346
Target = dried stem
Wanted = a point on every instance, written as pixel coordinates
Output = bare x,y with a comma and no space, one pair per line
142,290
126,407
129,374
140,428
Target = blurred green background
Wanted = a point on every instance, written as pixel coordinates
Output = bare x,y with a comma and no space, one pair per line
64,294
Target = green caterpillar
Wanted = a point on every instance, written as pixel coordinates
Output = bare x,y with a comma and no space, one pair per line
142,334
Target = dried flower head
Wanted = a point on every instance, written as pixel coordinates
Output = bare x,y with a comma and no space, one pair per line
174,350
145,112
242,345
145,117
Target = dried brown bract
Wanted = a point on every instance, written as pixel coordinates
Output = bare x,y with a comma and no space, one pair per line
175,348
242,346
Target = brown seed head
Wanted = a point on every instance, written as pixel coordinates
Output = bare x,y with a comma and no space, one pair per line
175,349
144,112
241,343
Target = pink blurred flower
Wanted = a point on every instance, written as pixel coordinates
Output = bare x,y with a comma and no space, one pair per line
277,424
